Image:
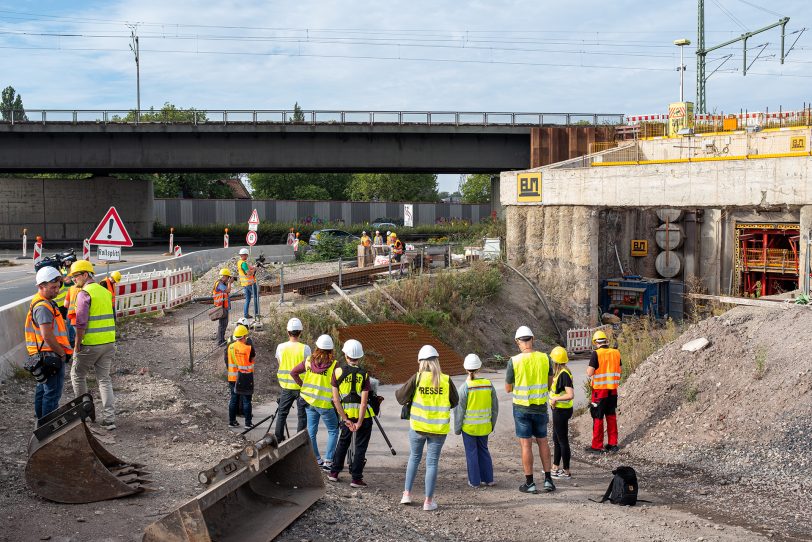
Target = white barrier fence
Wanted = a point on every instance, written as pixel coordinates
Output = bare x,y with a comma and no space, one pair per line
579,340
153,291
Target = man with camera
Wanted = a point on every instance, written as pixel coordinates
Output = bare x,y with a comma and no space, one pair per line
46,338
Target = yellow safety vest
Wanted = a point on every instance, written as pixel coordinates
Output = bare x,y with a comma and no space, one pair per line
232,362
553,394
316,388
477,419
350,403
292,354
101,323
431,407
60,297
245,279
530,371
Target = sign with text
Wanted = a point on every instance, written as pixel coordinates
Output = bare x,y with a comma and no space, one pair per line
529,187
109,254
797,144
639,247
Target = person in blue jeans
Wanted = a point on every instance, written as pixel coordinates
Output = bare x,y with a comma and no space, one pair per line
474,419
315,375
248,281
432,396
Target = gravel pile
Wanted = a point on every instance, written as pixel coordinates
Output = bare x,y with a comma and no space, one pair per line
735,414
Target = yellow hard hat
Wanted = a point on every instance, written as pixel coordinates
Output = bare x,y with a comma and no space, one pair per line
599,336
116,276
394,234
240,331
225,272
559,355
81,266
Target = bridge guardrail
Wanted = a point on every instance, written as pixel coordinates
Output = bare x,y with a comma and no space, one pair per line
312,117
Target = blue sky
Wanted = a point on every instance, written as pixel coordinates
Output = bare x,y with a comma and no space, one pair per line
534,56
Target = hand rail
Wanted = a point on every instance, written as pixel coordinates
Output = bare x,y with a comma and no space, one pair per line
286,116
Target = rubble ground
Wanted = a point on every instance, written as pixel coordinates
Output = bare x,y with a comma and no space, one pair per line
174,421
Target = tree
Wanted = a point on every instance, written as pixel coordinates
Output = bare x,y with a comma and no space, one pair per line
11,103
285,185
311,191
298,114
185,185
476,188
442,195
168,113
393,187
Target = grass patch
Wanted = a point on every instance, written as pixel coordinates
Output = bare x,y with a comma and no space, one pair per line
761,362
641,338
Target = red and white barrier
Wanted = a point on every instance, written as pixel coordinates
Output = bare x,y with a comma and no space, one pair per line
225,239
579,340
753,118
178,252
171,239
86,249
38,251
142,293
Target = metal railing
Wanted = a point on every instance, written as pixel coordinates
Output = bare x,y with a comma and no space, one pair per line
312,117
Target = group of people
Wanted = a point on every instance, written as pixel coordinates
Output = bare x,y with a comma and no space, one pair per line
340,396
378,245
221,292
71,323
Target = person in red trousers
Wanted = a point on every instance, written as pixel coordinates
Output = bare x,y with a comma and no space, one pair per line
604,371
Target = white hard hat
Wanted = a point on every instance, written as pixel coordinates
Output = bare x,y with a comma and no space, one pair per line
388,232
243,321
243,251
472,362
364,232
427,351
353,349
523,331
294,324
324,342
47,274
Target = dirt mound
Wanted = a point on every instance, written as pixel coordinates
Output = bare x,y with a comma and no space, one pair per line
737,411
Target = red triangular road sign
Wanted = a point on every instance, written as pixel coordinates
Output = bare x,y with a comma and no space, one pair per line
111,231
254,218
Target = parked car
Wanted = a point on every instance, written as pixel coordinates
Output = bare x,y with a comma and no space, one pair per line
384,226
341,235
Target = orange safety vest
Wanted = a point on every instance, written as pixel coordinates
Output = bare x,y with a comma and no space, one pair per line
220,298
70,303
398,247
111,287
607,375
239,360
365,240
33,336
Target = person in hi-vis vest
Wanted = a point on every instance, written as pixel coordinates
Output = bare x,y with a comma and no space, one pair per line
290,354
432,396
474,419
95,343
604,372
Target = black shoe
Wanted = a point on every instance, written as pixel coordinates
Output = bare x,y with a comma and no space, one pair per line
528,488
611,448
233,424
592,450
548,485
248,425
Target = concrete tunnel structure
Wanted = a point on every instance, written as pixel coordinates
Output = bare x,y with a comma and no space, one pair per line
740,206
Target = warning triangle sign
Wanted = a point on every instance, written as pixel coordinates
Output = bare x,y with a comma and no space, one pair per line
111,231
254,218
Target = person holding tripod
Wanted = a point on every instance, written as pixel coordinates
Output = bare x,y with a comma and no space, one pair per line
351,388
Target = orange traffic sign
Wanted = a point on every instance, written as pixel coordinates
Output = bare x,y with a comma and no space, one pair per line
111,231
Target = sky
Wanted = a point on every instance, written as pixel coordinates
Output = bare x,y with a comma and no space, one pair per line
585,56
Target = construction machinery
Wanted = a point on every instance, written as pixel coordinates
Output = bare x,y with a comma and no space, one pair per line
67,464
249,497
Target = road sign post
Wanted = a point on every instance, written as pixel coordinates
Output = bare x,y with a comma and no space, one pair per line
171,239
251,238
253,226
25,243
110,235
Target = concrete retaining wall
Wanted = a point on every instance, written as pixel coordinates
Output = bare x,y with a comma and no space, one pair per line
12,316
60,209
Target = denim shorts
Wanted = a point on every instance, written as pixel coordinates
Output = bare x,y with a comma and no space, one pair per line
530,424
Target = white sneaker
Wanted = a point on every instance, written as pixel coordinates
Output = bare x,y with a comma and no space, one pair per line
406,498
430,506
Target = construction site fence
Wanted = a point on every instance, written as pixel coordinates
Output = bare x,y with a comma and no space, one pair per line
647,126
579,340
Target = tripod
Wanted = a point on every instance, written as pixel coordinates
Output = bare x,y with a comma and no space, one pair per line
272,417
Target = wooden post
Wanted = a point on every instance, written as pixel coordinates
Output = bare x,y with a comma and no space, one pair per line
336,317
350,301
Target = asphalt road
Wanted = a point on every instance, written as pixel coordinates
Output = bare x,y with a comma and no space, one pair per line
17,281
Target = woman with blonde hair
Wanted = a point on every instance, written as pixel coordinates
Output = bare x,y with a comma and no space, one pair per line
562,393
431,395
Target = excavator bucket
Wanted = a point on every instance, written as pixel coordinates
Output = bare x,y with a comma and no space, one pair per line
250,497
67,464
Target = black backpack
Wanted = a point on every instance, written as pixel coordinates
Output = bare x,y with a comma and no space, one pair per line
373,401
623,488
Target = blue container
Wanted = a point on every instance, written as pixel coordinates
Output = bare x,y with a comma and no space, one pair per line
635,295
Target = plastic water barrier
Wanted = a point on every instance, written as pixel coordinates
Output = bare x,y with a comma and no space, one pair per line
153,291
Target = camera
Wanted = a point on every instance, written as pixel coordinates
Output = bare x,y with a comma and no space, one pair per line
58,260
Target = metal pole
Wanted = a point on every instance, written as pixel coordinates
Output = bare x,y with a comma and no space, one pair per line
681,74
339,272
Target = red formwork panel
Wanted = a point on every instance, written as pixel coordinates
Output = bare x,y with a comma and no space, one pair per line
390,350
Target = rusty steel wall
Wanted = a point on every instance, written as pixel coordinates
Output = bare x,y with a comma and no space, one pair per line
390,350
551,144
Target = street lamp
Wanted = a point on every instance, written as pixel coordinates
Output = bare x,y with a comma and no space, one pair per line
681,43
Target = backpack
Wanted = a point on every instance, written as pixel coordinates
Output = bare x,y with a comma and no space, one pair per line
373,401
623,488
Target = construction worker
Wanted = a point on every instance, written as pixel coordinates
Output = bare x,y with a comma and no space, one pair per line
389,239
562,392
351,389
69,306
220,292
474,419
248,281
432,396
95,344
397,247
316,373
110,283
46,338
366,242
231,381
241,372
290,354
377,243
604,373
528,378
